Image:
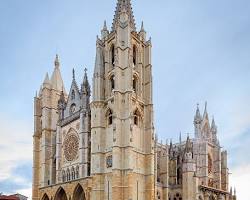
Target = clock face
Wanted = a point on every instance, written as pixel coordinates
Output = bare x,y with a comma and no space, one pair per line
72,108
71,147
109,161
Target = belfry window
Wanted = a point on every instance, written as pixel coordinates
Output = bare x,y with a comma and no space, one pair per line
113,55
136,117
135,84
110,117
112,82
134,55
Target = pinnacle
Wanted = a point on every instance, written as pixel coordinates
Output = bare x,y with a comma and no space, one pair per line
57,63
46,80
124,6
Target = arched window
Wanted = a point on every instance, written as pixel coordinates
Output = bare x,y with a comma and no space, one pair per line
73,175
63,176
112,82
73,95
134,55
110,117
136,118
135,84
179,175
68,175
77,172
112,51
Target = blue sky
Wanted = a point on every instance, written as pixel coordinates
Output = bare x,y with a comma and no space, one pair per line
201,52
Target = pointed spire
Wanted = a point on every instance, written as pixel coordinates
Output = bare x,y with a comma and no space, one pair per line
231,190
57,63
46,82
197,116
104,31
188,147
235,191
142,32
56,78
105,26
124,6
73,74
205,115
142,27
213,126
85,85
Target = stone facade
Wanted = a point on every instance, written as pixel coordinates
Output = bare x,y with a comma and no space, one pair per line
106,149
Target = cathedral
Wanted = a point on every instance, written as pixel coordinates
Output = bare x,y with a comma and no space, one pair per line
98,143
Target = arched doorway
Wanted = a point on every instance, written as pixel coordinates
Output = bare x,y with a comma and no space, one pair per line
45,197
79,193
61,194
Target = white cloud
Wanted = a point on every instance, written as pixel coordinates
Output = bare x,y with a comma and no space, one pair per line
240,179
15,148
26,192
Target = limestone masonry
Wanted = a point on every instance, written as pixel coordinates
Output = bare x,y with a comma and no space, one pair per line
105,148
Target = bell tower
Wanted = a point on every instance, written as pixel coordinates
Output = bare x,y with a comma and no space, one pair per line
122,129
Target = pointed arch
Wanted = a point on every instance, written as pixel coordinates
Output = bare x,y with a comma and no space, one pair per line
61,194
73,174
63,176
112,55
79,193
109,116
134,55
135,83
45,197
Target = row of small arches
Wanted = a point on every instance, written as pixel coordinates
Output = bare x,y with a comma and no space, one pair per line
78,194
70,174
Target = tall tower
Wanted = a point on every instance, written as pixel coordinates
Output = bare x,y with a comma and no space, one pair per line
122,130
45,124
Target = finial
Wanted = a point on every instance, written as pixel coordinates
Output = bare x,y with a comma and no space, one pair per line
142,27
57,63
206,106
105,26
180,137
73,73
234,191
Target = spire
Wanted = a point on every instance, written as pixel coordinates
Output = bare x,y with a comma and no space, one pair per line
46,82
197,116
57,63
105,26
104,31
124,6
56,78
213,126
61,105
205,115
189,147
142,32
85,85
73,74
